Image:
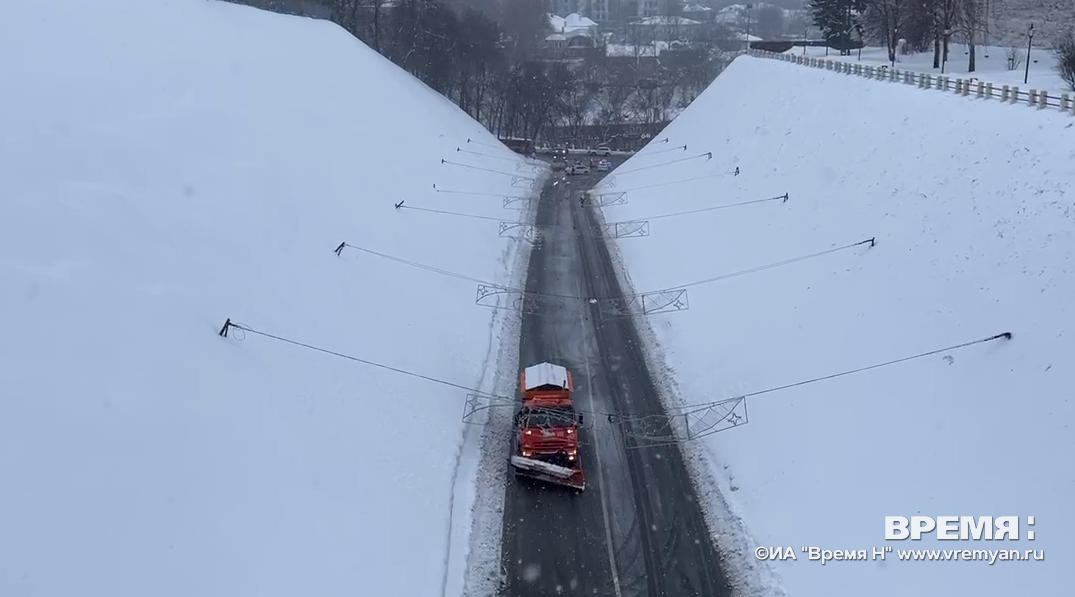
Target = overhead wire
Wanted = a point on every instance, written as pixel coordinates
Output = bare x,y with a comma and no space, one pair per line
672,182
341,355
451,213
496,157
1005,335
716,207
612,417
477,193
708,155
764,267
460,276
472,167
418,265
660,151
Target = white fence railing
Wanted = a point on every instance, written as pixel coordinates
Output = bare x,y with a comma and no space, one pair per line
965,87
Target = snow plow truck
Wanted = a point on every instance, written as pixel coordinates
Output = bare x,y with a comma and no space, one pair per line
545,445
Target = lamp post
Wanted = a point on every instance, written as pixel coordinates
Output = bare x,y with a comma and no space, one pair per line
896,43
750,7
944,57
1029,43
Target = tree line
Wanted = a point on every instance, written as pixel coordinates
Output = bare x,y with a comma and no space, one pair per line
487,57
924,25
477,54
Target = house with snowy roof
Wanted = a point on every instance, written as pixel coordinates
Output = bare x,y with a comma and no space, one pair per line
572,31
663,28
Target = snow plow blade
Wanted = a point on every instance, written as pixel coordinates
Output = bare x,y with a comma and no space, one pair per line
550,473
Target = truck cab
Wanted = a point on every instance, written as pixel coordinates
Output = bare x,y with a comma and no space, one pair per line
546,440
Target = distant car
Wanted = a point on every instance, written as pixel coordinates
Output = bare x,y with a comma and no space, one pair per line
605,151
580,169
604,166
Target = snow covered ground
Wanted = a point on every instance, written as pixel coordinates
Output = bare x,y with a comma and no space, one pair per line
168,164
990,65
970,204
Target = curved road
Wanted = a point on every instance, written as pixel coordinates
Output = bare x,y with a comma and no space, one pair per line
637,530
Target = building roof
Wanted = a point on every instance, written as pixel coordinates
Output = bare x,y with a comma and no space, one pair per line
545,374
745,37
572,24
652,21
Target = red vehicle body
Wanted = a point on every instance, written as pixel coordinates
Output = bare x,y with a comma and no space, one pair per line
545,444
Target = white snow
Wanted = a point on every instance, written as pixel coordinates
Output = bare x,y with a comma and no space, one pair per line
540,465
971,206
545,374
991,65
167,164
622,50
573,23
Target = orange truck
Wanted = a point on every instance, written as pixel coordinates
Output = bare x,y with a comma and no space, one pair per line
545,444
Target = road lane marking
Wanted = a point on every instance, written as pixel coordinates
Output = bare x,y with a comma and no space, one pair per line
597,451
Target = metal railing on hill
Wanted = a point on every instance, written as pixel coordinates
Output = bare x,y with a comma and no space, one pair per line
966,87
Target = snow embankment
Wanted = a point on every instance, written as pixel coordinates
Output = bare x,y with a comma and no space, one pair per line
997,65
971,208
170,164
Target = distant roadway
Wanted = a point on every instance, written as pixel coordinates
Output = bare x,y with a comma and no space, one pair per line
638,529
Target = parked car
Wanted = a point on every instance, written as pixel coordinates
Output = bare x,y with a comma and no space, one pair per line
605,151
580,169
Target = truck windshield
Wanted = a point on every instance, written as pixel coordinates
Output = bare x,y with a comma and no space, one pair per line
549,417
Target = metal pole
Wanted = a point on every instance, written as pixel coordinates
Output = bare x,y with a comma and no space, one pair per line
895,42
944,50
1029,43
749,7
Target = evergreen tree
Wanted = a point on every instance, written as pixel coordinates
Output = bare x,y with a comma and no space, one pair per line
838,21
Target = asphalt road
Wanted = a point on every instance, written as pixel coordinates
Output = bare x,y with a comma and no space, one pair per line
637,530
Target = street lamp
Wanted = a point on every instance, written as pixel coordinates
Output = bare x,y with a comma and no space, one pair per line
944,58
896,43
750,7
1029,43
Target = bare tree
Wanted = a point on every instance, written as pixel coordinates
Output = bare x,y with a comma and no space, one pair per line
946,15
1065,57
884,19
972,25
672,11
1014,55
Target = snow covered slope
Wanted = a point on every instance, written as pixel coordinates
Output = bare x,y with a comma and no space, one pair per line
168,164
971,206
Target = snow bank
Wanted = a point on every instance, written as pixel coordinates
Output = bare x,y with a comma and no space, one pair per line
170,164
971,208
993,64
